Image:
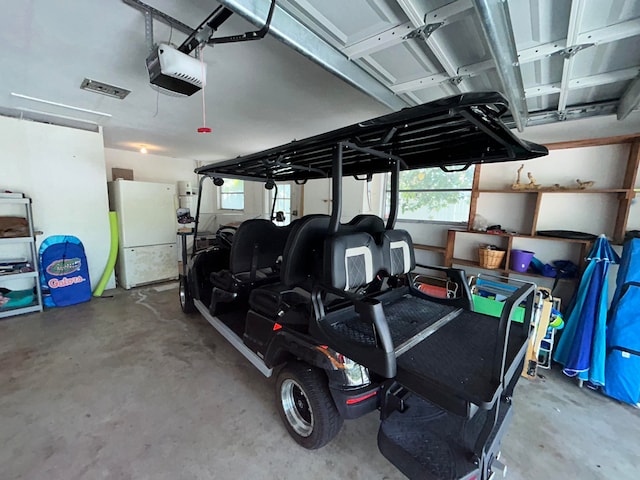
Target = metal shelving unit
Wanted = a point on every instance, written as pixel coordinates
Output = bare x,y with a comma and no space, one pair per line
30,241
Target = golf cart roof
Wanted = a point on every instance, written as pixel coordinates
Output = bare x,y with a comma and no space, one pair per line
456,131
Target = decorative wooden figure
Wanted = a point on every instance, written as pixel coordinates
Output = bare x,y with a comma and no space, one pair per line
518,185
585,185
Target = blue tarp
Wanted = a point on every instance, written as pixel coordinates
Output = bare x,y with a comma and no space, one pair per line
64,274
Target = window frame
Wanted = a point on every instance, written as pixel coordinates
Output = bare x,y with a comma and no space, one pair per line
387,192
280,197
221,193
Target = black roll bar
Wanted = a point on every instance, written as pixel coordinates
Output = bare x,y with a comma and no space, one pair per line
273,205
336,181
395,192
195,228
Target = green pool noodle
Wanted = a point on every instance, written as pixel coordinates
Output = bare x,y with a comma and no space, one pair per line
113,253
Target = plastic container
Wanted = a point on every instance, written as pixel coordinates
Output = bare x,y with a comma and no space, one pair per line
492,307
520,260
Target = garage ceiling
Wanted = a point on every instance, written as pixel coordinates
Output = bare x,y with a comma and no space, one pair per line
569,59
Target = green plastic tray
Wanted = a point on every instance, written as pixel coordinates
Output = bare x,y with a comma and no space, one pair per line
491,307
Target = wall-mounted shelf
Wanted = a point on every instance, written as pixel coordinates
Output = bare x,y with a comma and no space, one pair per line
502,271
4,241
16,276
520,235
531,211
429,248
505,242
557,190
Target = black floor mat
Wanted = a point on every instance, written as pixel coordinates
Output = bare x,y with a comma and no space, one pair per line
459,357
427,442
407,316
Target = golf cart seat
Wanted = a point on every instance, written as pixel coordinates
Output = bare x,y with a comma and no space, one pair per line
256,249
302,260
435,347
302,255
372,224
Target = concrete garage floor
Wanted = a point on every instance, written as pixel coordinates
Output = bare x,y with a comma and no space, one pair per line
128,387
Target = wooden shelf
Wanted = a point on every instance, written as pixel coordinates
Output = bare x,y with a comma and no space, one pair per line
530,237
472,263
429,248
565,190
531,206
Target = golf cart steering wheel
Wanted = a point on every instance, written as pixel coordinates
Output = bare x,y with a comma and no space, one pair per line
225,235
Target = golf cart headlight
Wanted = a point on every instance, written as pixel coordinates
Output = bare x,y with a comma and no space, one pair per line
355,374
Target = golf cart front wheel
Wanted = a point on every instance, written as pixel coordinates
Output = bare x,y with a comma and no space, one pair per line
306,406
186,302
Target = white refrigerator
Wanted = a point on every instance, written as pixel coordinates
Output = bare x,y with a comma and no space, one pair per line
147,249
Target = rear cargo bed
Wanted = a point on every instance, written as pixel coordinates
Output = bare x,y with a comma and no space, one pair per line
445,354
459,358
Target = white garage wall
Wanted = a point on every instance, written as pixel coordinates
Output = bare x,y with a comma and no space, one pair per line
63,171
592,213
149,167
161,169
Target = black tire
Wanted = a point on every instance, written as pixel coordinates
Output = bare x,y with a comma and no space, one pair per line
305,405
186,302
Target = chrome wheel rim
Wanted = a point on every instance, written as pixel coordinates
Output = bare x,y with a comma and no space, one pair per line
183,294
296,408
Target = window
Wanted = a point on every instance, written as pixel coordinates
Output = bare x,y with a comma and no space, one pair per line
429,194
283,202
232,195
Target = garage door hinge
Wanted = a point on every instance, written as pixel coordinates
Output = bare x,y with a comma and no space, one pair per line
569,52
423,32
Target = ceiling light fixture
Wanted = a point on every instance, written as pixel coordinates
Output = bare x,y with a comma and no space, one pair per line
50,118
143,149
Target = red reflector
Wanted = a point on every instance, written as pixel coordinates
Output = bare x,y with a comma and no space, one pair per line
351,401
276,326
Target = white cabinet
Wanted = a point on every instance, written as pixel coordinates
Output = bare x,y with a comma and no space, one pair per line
12,251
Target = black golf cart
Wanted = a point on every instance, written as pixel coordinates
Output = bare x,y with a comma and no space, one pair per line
333,307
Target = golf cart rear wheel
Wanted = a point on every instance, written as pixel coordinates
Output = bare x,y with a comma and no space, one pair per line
186,302
306,406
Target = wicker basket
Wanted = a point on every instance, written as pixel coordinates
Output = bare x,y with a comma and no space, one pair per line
490,258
